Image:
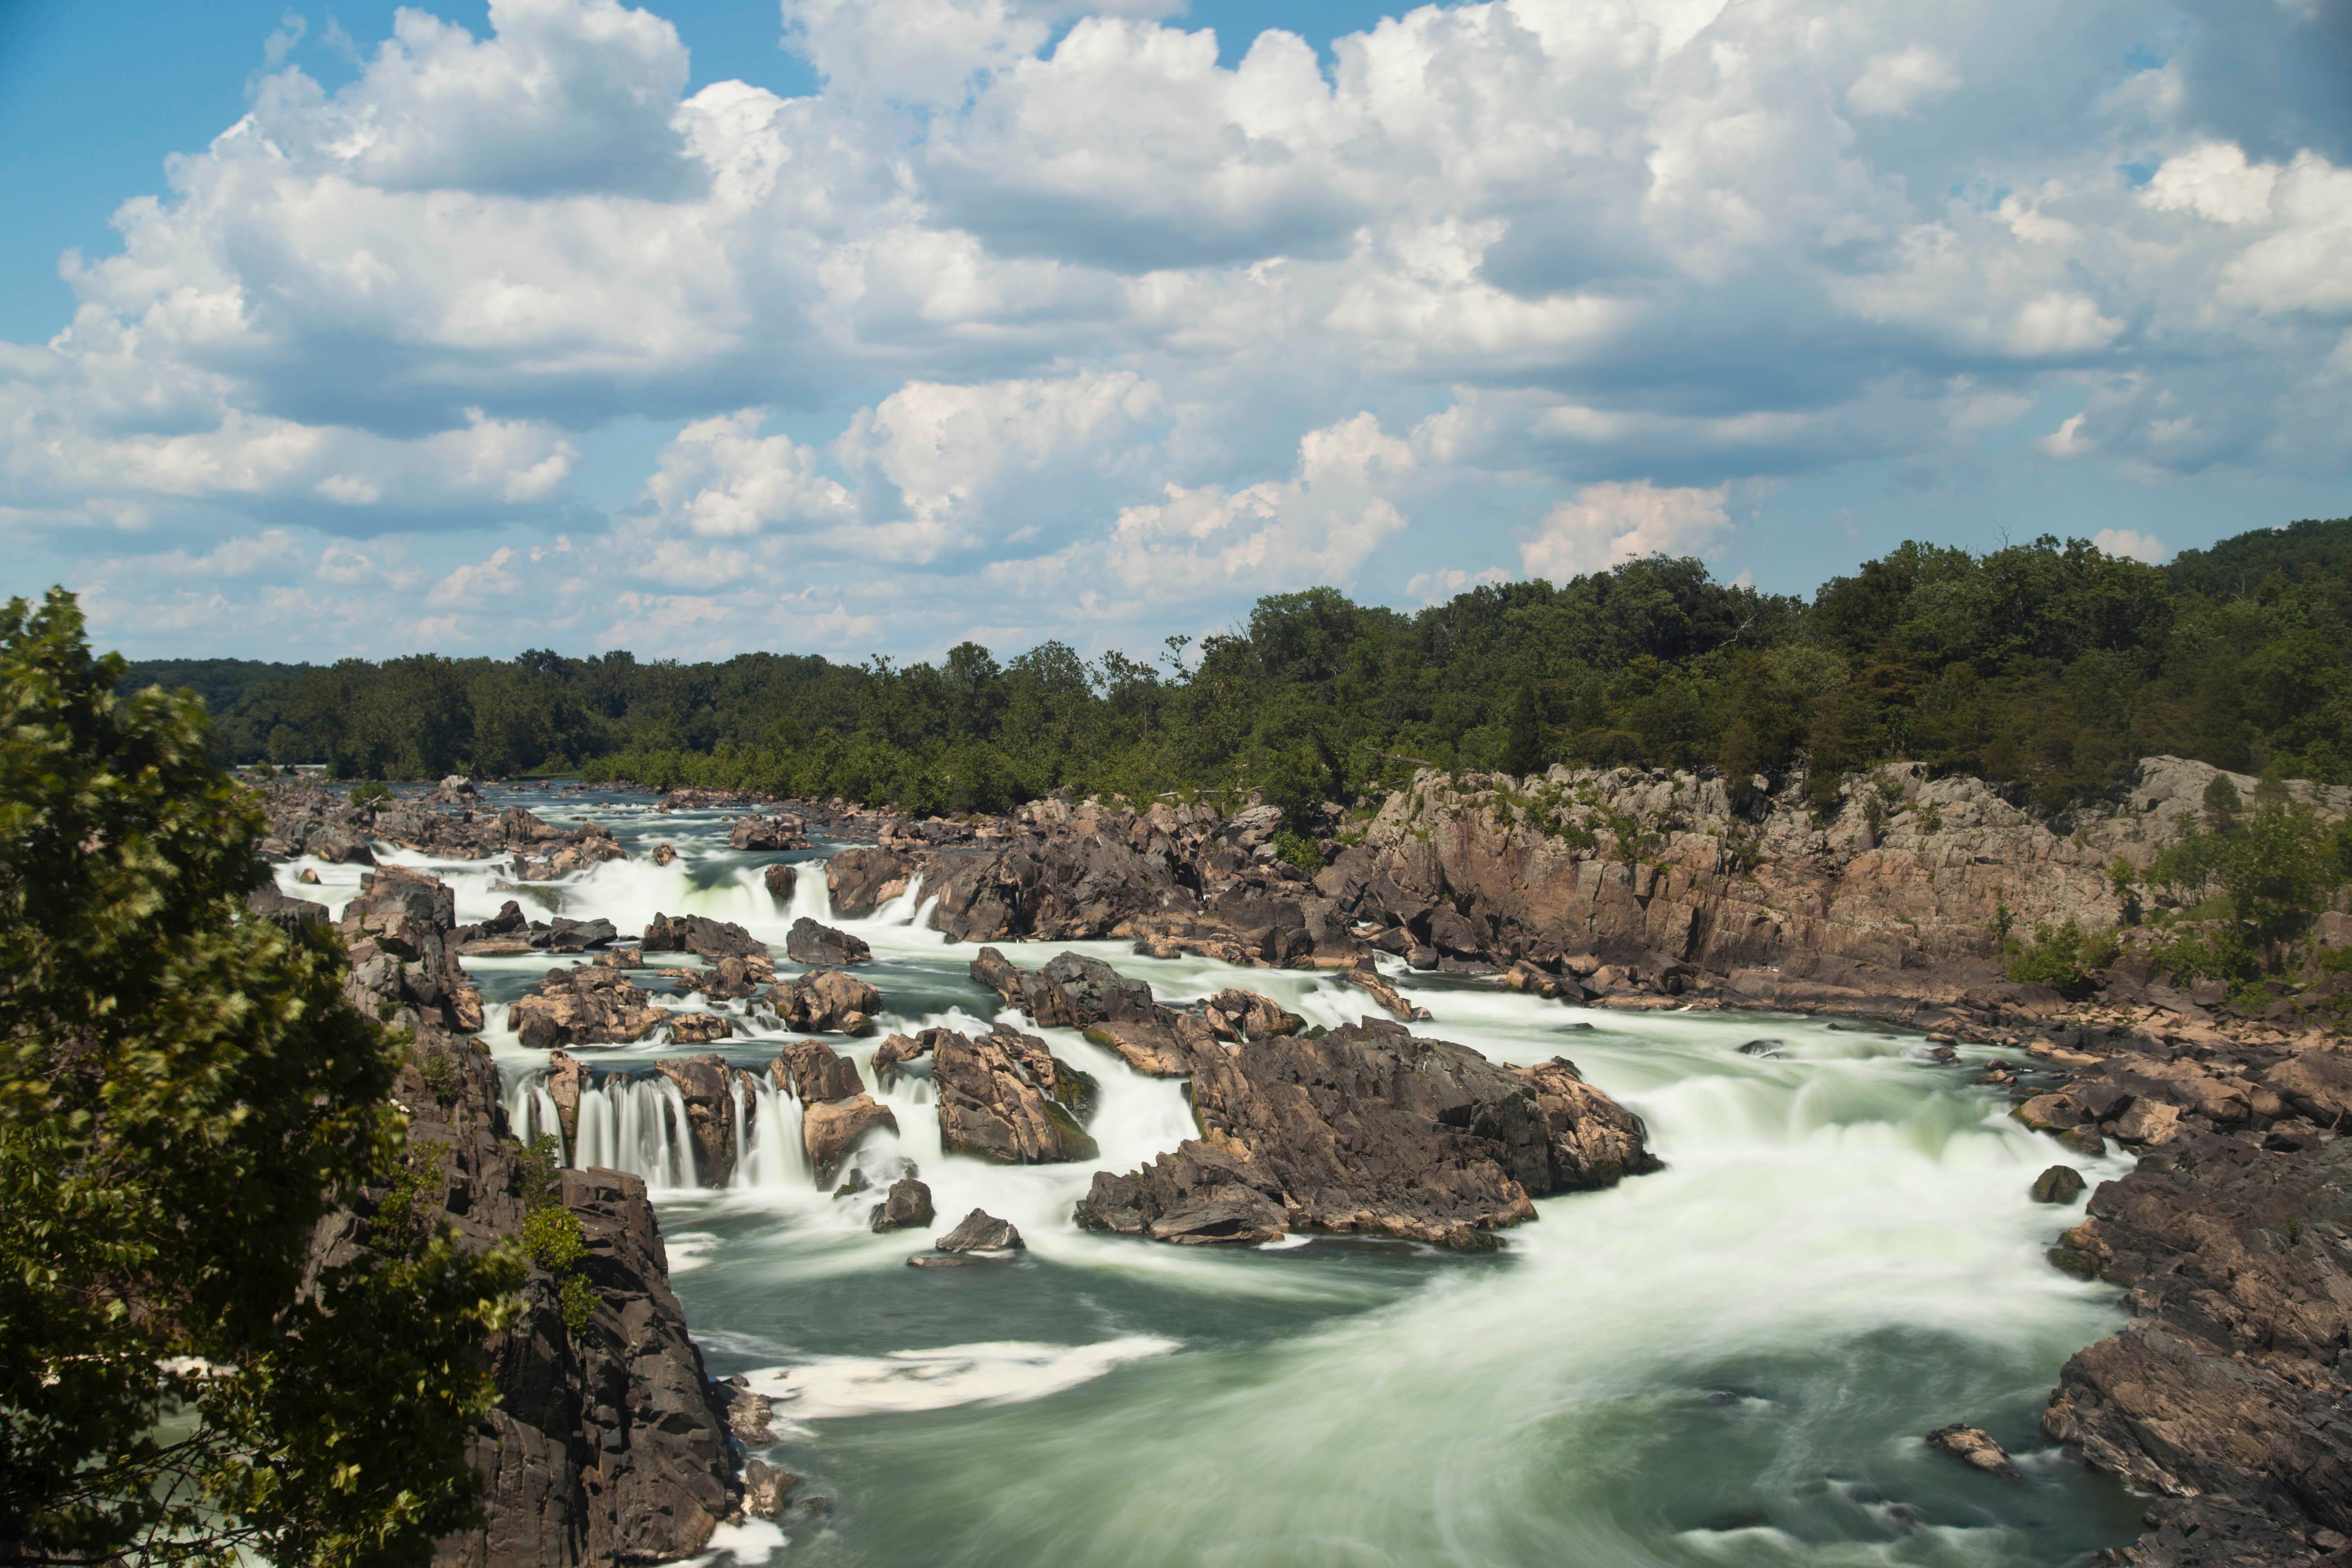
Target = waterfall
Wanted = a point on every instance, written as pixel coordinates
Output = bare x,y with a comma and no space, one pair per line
531,1113
638,1125
902,910
776,1157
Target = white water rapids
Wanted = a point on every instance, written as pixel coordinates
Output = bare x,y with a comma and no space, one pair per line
1730,1362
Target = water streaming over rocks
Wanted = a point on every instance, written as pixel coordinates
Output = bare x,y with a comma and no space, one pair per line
1731,1360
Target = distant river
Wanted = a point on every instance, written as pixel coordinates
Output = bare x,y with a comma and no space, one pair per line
1730,1362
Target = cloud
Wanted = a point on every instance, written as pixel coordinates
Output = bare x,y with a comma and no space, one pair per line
1035,302
1897,83
2136,546
1318,526
1603,524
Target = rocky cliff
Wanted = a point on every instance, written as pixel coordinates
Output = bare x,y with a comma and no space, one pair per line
606,1446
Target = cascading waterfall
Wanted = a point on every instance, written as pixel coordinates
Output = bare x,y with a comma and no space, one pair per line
638,1125
531,1112
776,1159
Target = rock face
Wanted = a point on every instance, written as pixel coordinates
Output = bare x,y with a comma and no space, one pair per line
780,879
707,1086
809,943
1073,991
605,1446
827,1002
2224,1394
1368,1129
703,936
836,1109
1004,1098
587,1004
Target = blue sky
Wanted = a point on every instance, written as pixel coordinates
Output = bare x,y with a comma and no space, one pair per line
866,327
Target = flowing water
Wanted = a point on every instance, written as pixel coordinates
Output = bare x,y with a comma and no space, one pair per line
1730,1362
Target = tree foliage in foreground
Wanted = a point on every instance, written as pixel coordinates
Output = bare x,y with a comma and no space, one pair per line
184,1093
2047,667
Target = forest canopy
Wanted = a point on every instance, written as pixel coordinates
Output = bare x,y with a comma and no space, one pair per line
2048,666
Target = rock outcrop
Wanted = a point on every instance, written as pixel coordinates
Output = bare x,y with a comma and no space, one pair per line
587,1004
1371,1130
825,1002
836,1109
810,943
605,1446
703,937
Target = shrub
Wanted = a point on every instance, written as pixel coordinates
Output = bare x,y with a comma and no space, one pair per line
2065,959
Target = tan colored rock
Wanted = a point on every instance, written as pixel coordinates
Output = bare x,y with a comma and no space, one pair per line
1246,1015
827,1001
2149,1121
830,1130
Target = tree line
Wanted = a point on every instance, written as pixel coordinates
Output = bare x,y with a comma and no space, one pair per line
2047,667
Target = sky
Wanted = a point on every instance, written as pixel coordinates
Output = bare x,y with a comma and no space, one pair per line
840,328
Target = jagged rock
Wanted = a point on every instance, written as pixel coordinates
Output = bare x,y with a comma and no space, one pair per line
579,936
780,879
1368,1129
584,846
1365,978
827,1002
809,943
605,1446
699,1028
1070,991
737,974
665,853
830,1131
1974,1449
703,936
1004,1098
584,1006
339,846
1246,1015
567,1080
860,881
981,1231
767,1491
2058,1185
706,1083
907,1206
815,1072
768,833
900,1055
284,909
1165,1045
1595,1142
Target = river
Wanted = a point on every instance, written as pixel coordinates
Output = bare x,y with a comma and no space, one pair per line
1729,1362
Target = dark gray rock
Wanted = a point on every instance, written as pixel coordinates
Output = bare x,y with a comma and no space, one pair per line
701,936
809,943
981,1231
2058,1185
906,1206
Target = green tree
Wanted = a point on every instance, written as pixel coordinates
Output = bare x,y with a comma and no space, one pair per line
185,1094
1523,752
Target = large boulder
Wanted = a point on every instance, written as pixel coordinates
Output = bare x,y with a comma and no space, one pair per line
827,1002
1246,1015
588,1005
906,1206
815,1072
861,879
706,1084
1370,1129
703,936
1004,1098
823,945
981,1231
1070,991
780,879
830,1131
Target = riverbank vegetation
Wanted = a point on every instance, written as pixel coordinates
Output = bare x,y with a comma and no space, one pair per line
2047,667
